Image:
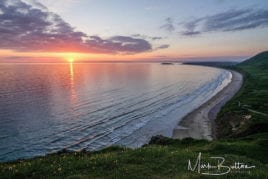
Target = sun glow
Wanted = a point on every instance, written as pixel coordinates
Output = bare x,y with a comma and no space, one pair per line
70,59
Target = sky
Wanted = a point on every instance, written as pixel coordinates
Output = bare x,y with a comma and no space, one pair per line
96,30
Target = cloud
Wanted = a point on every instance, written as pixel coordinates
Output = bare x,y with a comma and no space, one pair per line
31,27
190,33
156,38
191,28
232,20
168,25
162,47
129,44
153,38
148,37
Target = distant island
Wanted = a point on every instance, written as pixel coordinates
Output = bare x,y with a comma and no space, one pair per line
167,63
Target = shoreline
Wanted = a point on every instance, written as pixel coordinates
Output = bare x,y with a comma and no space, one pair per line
198,124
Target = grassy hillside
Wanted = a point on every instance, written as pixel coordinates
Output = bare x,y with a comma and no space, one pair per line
164,158
242,131
247,112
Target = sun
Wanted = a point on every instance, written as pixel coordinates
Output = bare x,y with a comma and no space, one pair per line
70,59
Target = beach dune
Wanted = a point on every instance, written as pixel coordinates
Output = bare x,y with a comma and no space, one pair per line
199,123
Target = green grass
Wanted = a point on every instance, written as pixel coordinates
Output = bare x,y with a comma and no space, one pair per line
167,158
253,98
164,159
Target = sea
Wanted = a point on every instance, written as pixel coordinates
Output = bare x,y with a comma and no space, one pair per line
45,108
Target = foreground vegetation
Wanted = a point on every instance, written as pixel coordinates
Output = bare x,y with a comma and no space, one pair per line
242,132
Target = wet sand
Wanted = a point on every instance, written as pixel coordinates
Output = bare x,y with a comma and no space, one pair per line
199,123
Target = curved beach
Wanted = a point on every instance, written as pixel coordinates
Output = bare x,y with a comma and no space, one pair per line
199,123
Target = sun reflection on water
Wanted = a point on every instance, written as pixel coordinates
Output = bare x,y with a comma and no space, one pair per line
73,96
71,72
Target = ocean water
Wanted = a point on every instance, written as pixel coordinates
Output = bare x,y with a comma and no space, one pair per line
48,107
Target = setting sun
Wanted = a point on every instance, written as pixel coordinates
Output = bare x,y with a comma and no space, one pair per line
70,59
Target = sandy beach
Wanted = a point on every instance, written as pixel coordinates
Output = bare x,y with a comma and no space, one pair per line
199,123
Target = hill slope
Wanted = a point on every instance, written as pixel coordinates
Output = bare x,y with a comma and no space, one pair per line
259,61
247,112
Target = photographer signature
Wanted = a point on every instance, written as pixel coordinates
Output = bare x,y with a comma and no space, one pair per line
218,169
